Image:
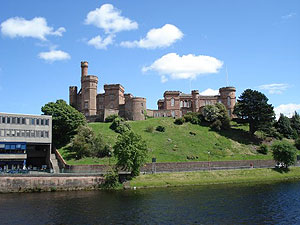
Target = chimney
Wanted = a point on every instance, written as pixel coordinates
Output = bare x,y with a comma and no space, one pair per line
84,68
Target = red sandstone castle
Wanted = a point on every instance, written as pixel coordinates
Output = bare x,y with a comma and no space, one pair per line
96,107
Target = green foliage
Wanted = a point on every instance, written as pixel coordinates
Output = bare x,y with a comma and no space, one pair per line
272,132
284,152
111,179
149,129
192,117
283,126
295,123
179,121
160,128
111,118
263,149
216,125
297,143
65,121
86,144
252,107
119,125
131,152
210,113
217,116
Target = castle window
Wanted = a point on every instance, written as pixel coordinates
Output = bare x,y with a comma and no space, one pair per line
111,97
172,101
86,104
142,104
173,113
111,105
228,101
181,103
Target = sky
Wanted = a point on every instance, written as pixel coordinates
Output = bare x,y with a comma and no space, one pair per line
149,47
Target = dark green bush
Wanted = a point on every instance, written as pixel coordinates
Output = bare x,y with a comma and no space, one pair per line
284,152
297,143
216,125
179,121
160,128
119,125
111,118
192,117
263,149
111,180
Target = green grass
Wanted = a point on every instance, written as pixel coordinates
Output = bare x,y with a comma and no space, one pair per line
214,177
176,143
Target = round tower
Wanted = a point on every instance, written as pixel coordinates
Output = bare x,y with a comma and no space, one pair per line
138,109
89,95
84,68
195,96
228,98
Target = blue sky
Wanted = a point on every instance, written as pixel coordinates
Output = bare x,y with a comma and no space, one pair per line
149,47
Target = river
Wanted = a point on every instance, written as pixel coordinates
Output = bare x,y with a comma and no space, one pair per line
277,203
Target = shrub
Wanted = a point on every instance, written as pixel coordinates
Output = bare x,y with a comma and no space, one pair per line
216,125
111,179
179,121
119,125
111,118
263,149
284,152
149,129
297,143
160,128
192,117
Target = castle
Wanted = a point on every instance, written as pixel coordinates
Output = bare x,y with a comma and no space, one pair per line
114,100
176,103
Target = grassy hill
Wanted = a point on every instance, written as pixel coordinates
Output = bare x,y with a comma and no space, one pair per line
180,142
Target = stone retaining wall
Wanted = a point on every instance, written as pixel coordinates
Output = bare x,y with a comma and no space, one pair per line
31,183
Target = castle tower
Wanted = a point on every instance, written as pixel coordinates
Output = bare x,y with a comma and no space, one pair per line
228,98
73,96
195,97
89,85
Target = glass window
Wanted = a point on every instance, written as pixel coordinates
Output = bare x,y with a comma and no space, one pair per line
23,121
12,146
13,133
7,147
46,134
172,101
23,147
181,103
32,133
37,133
7,133
18,133
42,122
23,133
27,133
228,101
32,121
18,146
18,120
8,120
86,104
13,120
37,121
42,133
3,119
142,104
46,122
2,146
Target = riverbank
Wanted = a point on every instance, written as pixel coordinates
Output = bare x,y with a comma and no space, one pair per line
214,177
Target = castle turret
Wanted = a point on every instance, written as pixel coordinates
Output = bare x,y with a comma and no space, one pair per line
139,108
84,68
228,98
195,100
73,96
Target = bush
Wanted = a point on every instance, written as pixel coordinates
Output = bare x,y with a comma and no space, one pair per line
149,129
192,117
284,152
111,118
216,125
179,121
297,143
263,149
111,180
160,128
119,125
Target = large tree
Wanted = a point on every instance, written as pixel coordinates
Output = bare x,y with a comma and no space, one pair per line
252,107
131,152
295,123
283,126
65,121
284,152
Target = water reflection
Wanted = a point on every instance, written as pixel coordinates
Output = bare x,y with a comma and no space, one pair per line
227,204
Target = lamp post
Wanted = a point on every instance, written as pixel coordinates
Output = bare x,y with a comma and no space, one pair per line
208,154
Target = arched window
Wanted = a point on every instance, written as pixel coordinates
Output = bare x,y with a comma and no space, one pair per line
228,101
172,101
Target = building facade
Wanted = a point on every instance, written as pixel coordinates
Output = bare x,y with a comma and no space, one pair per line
114,100
176,103
25,140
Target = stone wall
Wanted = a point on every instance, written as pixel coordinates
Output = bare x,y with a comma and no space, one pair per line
31,183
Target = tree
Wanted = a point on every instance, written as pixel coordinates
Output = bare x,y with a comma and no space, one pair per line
131,152
65,121
252,107
217,116
295,123
283,126
284,152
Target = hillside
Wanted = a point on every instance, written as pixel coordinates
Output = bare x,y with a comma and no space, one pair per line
180,142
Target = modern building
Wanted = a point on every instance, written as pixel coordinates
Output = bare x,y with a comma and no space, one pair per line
114,100
176,103
25,140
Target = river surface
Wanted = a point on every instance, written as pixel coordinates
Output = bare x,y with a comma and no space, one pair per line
277,203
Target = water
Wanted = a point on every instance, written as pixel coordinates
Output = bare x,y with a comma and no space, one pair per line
277,203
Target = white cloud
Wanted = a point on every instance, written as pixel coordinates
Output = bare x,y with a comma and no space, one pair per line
288,16
209,92
100,43
35,28
274,88
109,18
184,67
54,55
157,38
287,109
